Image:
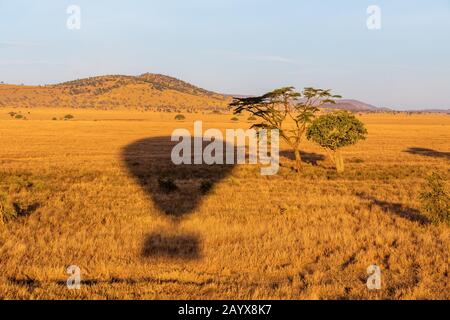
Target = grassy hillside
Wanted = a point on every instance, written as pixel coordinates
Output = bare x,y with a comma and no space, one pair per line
144,92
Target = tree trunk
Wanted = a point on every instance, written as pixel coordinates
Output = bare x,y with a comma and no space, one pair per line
298,159
339,161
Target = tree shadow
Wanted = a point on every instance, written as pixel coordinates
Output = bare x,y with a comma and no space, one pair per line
395,208
308,157
175,190
428,152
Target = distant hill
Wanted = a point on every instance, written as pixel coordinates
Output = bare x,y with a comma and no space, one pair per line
342,104
445,111
355,106
147,91
358,106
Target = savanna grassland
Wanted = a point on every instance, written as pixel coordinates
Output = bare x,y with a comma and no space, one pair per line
88,194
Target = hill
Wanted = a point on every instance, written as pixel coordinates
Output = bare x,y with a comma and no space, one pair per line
355,106
147,91
444,111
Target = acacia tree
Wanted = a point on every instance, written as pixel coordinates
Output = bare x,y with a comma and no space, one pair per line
281,106
334,131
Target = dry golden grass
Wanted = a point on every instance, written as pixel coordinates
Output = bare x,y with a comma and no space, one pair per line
252,237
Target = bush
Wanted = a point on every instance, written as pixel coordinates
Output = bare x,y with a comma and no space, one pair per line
167,185
180,117
18,116
252,118
68,117
7,211
235,119
436,200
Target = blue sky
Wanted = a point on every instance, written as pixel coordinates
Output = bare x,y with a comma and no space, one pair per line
239,46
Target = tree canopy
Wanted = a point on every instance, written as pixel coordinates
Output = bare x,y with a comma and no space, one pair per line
336,130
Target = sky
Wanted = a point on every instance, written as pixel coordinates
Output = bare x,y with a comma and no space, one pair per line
239,46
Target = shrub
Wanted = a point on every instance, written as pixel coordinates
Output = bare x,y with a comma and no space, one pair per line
167,185
180,117
68,117
357,160
54,119
235,119
252,118
18,116
7,211
436,200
